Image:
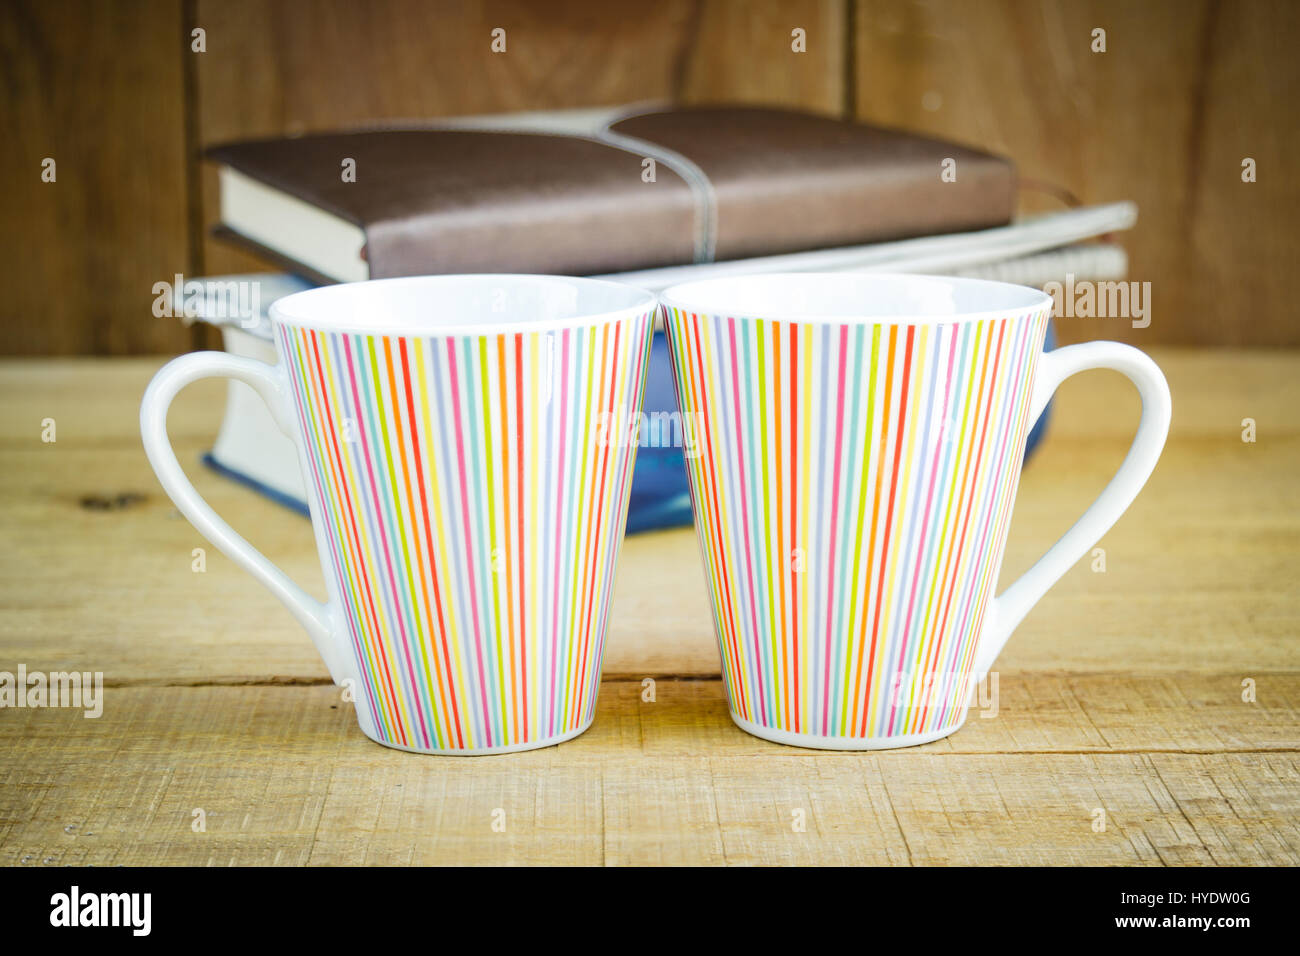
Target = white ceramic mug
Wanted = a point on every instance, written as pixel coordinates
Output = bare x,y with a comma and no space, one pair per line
859,441
467,505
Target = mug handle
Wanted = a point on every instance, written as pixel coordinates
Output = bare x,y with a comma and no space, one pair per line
1009,608
322,621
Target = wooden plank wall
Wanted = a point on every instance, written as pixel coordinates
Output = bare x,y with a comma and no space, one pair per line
98,88
1185,90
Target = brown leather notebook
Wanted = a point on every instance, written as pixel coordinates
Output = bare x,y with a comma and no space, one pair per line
646,189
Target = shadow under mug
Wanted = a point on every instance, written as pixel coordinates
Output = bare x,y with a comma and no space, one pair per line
467,500
857,443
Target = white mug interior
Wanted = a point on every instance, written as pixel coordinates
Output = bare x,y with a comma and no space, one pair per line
854,298
462,304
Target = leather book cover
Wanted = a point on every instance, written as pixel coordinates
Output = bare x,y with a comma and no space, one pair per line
659,188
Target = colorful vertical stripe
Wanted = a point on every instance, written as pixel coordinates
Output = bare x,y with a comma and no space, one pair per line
852,487
470,496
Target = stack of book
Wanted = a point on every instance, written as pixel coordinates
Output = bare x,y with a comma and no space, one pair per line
646,195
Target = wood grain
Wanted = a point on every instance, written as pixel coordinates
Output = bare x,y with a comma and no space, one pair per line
1164,117
283,776
739,51
97,88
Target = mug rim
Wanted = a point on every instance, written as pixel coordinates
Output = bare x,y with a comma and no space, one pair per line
311,308
1031,300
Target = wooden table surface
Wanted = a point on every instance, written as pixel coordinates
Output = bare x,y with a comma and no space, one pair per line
1120,697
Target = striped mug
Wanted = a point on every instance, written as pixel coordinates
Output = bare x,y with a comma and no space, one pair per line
467,502
855,448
